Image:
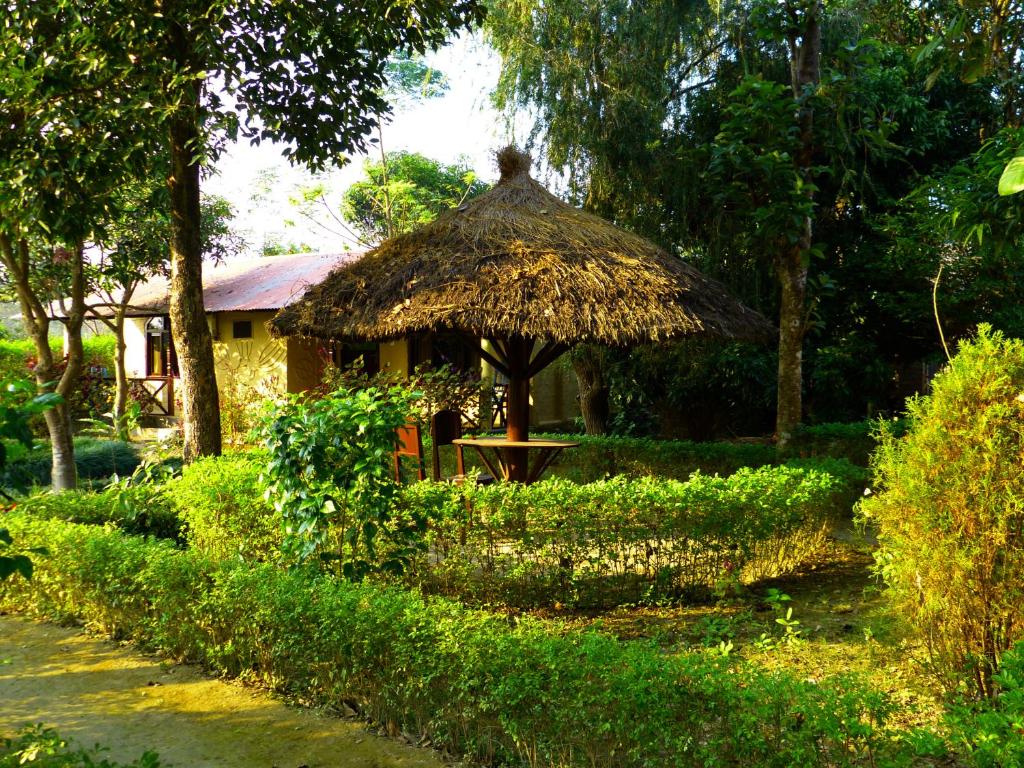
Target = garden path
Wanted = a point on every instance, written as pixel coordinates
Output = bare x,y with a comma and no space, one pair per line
93,691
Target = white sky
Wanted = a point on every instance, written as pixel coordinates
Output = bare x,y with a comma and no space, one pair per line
462,123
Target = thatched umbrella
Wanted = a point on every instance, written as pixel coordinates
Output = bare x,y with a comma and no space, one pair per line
518,266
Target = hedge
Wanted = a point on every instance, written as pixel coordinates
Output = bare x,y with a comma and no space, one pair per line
602,544
621,541
598,457
854,441
515,691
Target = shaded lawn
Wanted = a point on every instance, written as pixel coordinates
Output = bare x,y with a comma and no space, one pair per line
843,628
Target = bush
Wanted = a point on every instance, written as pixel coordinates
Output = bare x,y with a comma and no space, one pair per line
854,441
221,500
44,748
330,476
620,540
950,512
143,509
94,394
499,690
95,459
598,457
991,732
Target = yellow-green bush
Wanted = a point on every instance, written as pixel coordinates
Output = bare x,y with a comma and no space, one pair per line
950,512
221,503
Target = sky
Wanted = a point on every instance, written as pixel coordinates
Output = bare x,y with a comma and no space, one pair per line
461,124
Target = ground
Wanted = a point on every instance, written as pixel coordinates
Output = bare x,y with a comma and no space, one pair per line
841,620
94,691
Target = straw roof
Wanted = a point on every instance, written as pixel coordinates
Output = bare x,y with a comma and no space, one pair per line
518,261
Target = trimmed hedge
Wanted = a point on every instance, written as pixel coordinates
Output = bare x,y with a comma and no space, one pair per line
602,544
598,457
621,541
498,690
853,441
15,355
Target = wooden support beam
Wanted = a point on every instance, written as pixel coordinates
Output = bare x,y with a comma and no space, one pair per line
547,354
497,359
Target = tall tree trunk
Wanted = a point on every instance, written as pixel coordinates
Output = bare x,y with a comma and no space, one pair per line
791,266
15,257
189,328
588,363
120,376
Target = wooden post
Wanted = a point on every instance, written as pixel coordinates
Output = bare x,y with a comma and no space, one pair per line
518,351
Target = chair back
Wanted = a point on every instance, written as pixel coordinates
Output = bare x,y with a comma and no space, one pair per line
445,426
408,445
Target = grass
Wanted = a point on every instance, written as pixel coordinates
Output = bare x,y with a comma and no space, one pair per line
842,624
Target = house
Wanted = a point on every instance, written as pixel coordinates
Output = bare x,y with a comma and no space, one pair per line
242,295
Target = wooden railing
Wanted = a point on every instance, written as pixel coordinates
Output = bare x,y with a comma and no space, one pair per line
156,393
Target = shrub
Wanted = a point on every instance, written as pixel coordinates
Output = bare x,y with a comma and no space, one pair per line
598,457
620,540
330,476
991,731
95,459
499,690
950,512
143,509
221,500
853,441
44,748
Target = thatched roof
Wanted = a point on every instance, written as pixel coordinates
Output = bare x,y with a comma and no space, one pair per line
518,261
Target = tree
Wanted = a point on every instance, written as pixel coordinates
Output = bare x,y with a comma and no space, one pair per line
65,147
135,248
403,191
306,74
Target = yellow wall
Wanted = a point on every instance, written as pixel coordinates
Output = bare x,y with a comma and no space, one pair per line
394,356
305,364
256,367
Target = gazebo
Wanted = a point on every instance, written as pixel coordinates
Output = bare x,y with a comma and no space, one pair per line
534,276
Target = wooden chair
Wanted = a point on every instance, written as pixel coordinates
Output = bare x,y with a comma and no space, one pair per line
409,445
445,428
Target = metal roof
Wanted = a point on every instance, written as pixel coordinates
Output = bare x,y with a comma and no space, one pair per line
242,285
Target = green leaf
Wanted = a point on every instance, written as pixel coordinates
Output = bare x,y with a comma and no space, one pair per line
1012,180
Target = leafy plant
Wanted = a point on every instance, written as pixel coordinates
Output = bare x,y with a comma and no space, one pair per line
223,505
950,511
330,477
43,747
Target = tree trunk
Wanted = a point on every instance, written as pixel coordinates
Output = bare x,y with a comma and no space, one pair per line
588,363
792,275
791,267
189,328
36,317
120,376
517,426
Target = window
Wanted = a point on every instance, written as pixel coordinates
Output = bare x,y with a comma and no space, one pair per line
241,329
161,357
345,355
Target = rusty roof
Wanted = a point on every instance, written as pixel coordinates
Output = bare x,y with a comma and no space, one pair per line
240,285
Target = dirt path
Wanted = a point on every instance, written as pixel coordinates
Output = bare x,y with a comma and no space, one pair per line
93,692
